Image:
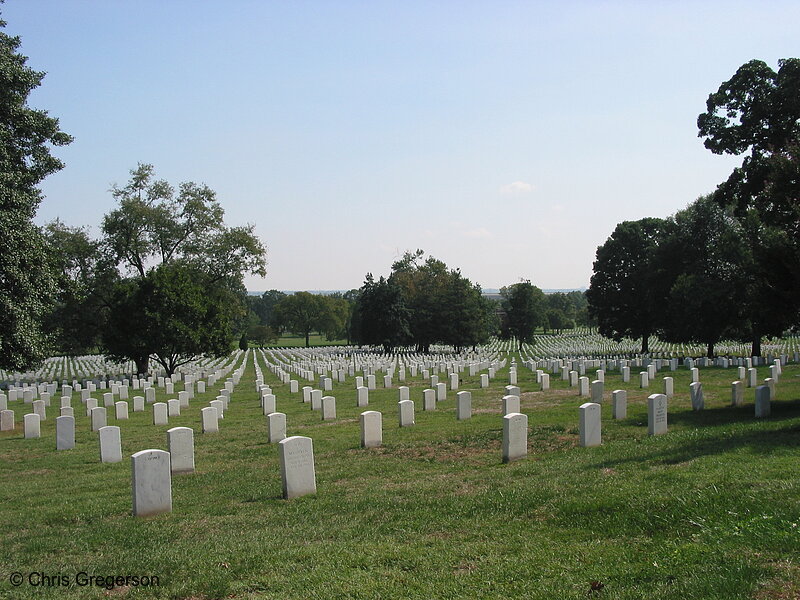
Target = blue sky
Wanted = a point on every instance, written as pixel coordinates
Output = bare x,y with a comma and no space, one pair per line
504,138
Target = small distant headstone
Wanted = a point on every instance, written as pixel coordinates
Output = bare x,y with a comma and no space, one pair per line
752,377
160,413
656,414
463,405
371,429
770,383
513,390
151,482
7,420
296,455
484,380
201,387
108,399
31,422
598,387
453,381
174,408
590,424
619,404
737,393
441,392
110,444
67,411
669,387
644,379
405,411
40,409
65,432
150,395
268,403
763,407
183,399
545,381
316,399
371,382
696,395
573,378
362,396
510,404
276,427
626,374
180,442
99,418
402,393
428,399
328,408
209,417
515,437
121,410
138,404
219,406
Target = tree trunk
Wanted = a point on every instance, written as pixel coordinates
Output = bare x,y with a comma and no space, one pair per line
141,364
645,343
307,334
756,349
710,350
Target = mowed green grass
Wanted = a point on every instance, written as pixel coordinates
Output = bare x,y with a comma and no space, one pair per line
710,510
288,340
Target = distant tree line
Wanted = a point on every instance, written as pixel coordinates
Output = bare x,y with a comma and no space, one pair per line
726,267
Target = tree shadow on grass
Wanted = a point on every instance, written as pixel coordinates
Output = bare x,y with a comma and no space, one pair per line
717,441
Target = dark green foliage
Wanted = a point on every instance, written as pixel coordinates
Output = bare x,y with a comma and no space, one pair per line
525,310
193,300
243,342
705,257
381,316
626,295
26,136
756,113
302,313
174,314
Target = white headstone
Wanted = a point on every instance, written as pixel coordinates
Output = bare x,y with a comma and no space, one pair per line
138,404
405,411
31,422
268,403
737,393
515,437
276,427
441,392
121,410
619,404
180,441
210,423
160,413
371,429
428,399
598,388
590,424
696,395
328,408
463,405
510,404
656,414
151,482
65,432
110,443
6,420
763,408
99,418
402,393
296,455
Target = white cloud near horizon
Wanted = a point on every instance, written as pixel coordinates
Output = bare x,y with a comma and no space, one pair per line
479,233
516,187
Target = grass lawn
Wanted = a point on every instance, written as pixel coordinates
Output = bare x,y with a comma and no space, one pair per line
709,510
289,340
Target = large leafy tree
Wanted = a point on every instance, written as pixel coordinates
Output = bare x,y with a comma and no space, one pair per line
174,247
525,310
709,284
756,114
381,316
626,293
302,313
26,139
84,274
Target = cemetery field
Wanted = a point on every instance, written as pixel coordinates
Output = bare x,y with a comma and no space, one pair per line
709,510
296,341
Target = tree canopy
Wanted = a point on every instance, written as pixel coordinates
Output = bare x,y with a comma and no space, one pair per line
525,309
28,135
